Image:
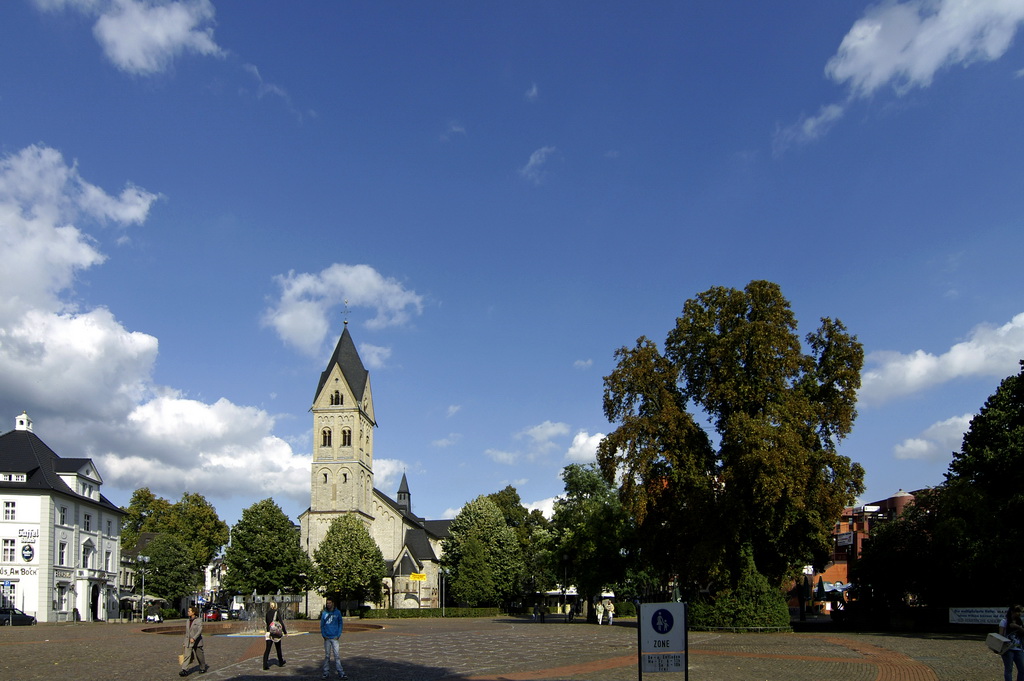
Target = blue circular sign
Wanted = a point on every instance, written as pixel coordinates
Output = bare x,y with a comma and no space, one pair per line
27,552
662,621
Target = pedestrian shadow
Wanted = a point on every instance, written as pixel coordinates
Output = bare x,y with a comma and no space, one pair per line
357,669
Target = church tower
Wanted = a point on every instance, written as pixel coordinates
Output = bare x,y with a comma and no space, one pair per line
343,423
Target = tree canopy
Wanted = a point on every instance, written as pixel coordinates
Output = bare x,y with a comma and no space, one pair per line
348,564
146,512
969,524
265,554
171,570
482,555
764,472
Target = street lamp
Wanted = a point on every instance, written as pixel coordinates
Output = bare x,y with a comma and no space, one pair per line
142,604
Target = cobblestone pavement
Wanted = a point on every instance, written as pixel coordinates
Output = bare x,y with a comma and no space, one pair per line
488,650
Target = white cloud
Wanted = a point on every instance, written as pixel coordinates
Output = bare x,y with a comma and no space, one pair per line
584,447
904,44
583,363
387,473
144,37
264,88
534,168
937,442
499,456
450,440
453,409
85,379
545,506
988,351
541,435
454,128
300,314
375,356
532,94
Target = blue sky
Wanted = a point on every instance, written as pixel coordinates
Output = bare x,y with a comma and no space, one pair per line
504,194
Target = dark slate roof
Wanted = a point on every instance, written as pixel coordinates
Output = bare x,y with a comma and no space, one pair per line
21,451
346,356
438,529
419,545
403,487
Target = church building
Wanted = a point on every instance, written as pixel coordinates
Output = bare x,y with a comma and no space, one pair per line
342,483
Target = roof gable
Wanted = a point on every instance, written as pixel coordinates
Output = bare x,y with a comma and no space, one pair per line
346,357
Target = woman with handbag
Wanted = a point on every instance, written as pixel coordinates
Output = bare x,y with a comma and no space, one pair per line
275,632
1012,628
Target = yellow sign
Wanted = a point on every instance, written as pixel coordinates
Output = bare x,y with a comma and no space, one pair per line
418,577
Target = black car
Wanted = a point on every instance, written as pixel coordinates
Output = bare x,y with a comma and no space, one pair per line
9,616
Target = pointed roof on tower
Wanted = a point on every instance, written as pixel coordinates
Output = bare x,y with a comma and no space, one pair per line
347,357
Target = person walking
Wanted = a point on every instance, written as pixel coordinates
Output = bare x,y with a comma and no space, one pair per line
609,610
600,611
1012,628
331,624
193,643
275,632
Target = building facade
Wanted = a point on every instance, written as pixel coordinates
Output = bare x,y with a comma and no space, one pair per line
341,482
60,546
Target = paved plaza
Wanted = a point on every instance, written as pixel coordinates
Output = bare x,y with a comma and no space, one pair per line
488,650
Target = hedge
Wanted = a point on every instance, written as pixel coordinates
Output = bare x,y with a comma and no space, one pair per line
405,613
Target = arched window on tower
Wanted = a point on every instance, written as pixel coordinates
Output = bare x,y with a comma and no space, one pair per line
325,437
337,398
325,478
346,438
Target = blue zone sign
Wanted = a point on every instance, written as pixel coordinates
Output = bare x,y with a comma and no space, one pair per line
663,637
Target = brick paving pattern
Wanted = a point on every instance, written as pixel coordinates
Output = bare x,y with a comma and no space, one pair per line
489,650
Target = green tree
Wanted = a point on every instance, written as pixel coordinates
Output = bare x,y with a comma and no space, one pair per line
775,484
969,525
171,570
531,529
196,523
592,529
348,564
146,512
265,554
481,522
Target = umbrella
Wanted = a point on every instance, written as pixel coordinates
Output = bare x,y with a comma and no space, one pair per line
819,593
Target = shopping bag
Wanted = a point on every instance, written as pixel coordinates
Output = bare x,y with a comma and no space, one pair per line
998,643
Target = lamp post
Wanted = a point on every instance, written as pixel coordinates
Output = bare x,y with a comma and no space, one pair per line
142,604
305,587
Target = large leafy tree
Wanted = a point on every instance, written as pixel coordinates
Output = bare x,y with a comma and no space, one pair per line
265,555
593,530
195,522
348,564
146,512
171,570
495,578
775,484
532,531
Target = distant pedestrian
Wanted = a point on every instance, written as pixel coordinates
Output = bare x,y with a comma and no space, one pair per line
600,611
609,610
275,632
331,624
193,643
1012,628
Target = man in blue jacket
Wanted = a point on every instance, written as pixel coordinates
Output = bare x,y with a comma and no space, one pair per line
330,628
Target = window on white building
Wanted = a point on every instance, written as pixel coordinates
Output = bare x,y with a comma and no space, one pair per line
9,510
87,522
106,561
62,554
86,556
110,528
7,555
63,515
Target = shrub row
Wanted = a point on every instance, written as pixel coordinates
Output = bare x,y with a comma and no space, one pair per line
387,613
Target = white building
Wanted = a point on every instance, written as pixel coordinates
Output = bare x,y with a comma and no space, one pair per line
60,547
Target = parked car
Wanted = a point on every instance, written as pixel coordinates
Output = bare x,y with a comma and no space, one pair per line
215,614
9,616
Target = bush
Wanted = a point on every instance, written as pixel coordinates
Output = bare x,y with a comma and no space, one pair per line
753,604
625,609
407,613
